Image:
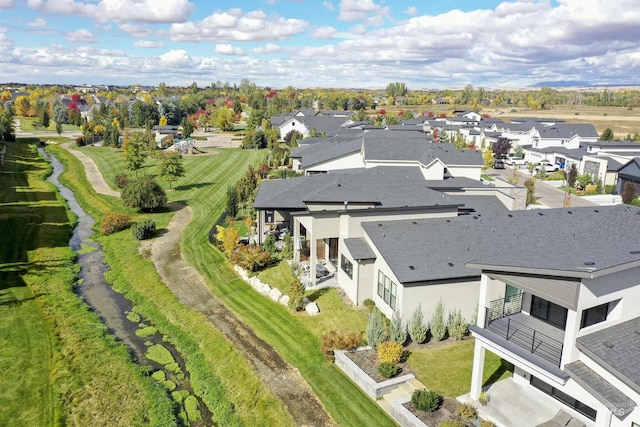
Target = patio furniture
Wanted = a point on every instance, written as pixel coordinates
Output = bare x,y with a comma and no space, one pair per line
562,419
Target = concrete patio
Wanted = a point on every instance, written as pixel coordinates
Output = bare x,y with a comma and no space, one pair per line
511,404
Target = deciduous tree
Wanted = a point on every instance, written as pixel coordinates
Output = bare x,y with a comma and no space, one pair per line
171,167
144,194
134,151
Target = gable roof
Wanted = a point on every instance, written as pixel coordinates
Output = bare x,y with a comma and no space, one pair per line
359,248
568,130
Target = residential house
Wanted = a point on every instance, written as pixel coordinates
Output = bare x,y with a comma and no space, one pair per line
559,300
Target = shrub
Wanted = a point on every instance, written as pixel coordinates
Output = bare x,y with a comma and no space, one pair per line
426,400
339,341
251,258
296,294
389,351
388,369
369,304
376,330
270,245
466,411
628,193
144,194
530,183
483,398
114,222
591,189
417,328
122,179
486,423
143,230
452,423
397,330
438,326
458,327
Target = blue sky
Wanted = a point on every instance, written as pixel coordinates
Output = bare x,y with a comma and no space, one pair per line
330,43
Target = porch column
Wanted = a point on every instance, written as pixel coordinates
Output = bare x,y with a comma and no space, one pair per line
312,258
296,239
569,351
483,301
478,370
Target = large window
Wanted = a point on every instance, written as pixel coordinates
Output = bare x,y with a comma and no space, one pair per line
585,410
346,266
387,289
594,315
549,312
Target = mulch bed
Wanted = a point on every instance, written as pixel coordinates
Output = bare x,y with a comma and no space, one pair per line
444,412
367,360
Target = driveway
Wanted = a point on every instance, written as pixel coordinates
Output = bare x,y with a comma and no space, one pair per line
549,196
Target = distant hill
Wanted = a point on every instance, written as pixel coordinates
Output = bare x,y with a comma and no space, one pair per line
563,83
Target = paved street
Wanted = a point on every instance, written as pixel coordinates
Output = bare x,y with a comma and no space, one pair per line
548,195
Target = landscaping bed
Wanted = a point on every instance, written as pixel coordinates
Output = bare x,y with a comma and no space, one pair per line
446,411
367,360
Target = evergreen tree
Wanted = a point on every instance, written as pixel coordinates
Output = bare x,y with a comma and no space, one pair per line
143,194
397,330
572,175
438,325
232,201
375,331
417,328
629,193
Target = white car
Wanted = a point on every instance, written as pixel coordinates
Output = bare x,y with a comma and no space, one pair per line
545,166
516,161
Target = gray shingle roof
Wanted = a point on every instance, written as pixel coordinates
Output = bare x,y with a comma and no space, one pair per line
574,153
600,388
617,349
494,237
359,248
329,125
385,189
567,130
328,150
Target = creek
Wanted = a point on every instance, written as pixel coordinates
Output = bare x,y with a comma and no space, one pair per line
113,308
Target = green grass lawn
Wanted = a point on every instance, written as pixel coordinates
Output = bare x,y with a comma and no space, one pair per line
30,124
59,363
448,369
294,336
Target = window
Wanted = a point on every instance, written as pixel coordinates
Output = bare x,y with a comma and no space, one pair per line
346,266
585,410
594,315
551,313
387,289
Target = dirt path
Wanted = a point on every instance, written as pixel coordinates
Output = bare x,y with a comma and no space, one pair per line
93,173
191,290
189,286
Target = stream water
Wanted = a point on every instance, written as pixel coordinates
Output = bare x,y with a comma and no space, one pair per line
111,306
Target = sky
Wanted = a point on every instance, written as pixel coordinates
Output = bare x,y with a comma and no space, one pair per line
426,44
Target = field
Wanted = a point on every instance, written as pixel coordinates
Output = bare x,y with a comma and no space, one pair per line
293,336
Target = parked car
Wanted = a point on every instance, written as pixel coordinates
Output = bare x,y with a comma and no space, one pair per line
546,166
498,164
516,161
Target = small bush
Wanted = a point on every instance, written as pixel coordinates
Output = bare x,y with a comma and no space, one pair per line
369,304
452,423
122,180
438,326
466,411
339,341
591,189
296,294
251,258
426,400
376,329
483,398
143,230
486,423
388,369
389,351
114,222
417,328
144,194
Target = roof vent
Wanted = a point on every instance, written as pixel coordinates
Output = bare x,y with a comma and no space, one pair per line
596,210
540,213
569,212
510,215
589,263
379,225
634,252
447,220
411,267
467,248
414,223
608,344
339,185
450,264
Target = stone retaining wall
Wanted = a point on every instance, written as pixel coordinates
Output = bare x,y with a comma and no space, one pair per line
403,416
365,382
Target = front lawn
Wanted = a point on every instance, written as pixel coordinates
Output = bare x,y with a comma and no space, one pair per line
448,368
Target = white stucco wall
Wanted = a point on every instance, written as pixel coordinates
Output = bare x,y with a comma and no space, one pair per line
470,171
350,161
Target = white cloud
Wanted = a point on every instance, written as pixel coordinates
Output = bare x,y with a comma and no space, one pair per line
227,49
148,43
6,4
37,23
268,48
136,30
328,5
232,25
168,11
362,10
324,33
411,10
82,35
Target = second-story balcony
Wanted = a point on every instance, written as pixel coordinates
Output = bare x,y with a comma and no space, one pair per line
504,317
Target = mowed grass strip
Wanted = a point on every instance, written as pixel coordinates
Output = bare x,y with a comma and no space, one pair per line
205,349
60,365
204,189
